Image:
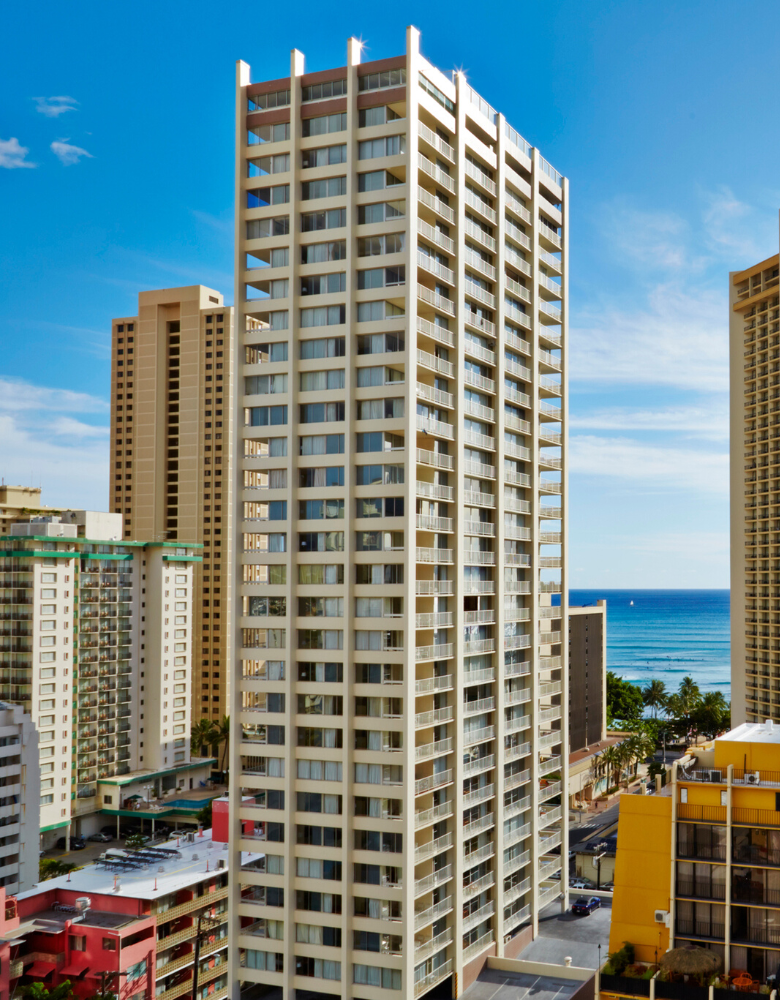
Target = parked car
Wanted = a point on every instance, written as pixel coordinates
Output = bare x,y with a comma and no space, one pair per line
101,838
110,830
76,843
585,905
608,886
579,883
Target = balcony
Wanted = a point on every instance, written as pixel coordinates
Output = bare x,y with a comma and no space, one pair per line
476,917
478,706
435,749
479,825
436,142
435,300
475,736
436,205
479,764
474,261
428,685
442,651
479,885
427,982
432,555
432,847
432,266
479,235
422,918
436,396
478,946
436,364
437,716
423,785
427,816
435,173
426,522
432,881
479,795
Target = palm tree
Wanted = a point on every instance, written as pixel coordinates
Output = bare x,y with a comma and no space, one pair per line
222,731
654,696
611,759
39,991
690,694
202,734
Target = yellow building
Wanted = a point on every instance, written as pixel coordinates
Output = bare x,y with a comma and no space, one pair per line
700,864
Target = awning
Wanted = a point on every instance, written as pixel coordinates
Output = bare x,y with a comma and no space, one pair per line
75,970
40,969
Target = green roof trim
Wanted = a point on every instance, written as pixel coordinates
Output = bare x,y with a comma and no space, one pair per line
34,553
105,555
183,559
126,779
54,826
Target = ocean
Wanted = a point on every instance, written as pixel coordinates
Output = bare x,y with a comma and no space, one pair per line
667,634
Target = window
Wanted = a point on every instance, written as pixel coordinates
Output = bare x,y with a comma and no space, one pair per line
265,196
379,507
377,475
376,81
380,115
388,145
324,347
378,607
377,180
380,343
324,673
326,187
436,94
261,353
380,409
381,211
379,541
317,510
324,284
319,770
109,944
265,416
325,156
321,541
321,573
257,229
379,375
370,312
137,970
334,218
373,246
319,253
263,102
324,125
317,413
382,277
379,441
322,444
320,381
278,164
332,475
260,385
266,961
319,91
323,316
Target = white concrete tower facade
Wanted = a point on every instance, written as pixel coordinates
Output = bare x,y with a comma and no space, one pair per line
400,688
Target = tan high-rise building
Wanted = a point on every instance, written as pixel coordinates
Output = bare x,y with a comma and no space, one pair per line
754,317
171,418
18,503
400,686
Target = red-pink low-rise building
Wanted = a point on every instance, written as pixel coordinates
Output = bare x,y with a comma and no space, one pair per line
137,924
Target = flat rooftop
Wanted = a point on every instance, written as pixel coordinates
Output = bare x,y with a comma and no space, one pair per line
55,921
753,732
197,863
493,984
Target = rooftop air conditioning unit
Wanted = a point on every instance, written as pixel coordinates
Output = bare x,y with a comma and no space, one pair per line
660,916
753,777
716,776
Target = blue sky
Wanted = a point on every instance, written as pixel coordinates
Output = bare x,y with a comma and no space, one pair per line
116,160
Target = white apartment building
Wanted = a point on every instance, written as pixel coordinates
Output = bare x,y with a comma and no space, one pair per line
19,798
400,694
97,648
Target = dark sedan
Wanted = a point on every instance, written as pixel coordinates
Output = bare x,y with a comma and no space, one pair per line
585,905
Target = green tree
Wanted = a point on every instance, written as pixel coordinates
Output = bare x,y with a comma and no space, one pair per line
610,759
135,840
205,816
712,715
38,991
654,696
624,700
689,693
202,735
53,868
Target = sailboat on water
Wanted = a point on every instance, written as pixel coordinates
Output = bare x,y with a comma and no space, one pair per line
631,604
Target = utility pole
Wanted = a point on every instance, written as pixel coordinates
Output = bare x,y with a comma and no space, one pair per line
205,924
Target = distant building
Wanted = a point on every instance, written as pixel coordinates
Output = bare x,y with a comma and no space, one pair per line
754,319
171,420
20,503
130,930
587,675
698,864
97,648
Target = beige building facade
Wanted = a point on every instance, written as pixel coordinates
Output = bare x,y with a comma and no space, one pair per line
587,675
96,646
400,687
171,420
754,317
20,503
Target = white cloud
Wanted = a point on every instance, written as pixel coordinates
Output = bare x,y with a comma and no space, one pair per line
679,339
12,155
53,107
17,395
651,239
707,421
68,154
655,468
736,230
44,444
